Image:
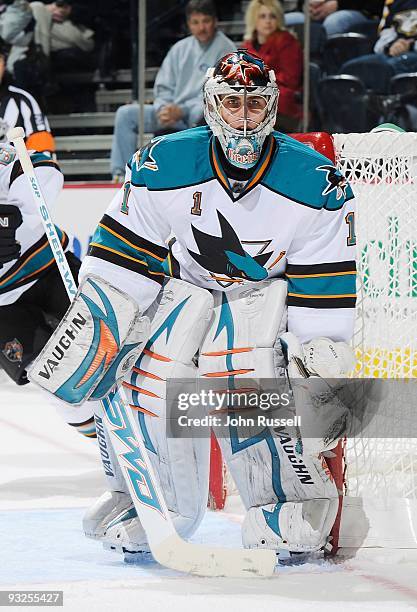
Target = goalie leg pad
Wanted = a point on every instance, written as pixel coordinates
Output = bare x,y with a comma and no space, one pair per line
115,505
270,469
243,335
269,466
242,340
94,345
179,320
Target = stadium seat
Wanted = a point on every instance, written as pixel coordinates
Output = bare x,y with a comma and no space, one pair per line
404,83
344,103
341,48
369,29
373,73
404,87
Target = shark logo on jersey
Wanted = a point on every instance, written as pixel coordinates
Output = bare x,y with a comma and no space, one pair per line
150,163
225,255
335,180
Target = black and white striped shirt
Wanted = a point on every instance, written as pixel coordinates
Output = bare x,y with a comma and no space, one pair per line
18,108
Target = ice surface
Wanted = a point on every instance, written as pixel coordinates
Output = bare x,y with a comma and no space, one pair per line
49,474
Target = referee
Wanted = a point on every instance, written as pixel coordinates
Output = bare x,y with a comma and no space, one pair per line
18,108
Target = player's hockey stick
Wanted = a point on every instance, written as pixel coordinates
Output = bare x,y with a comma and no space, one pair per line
165,544
17,136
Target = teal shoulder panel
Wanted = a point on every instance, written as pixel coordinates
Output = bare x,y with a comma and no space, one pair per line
39,157
174,161
305,176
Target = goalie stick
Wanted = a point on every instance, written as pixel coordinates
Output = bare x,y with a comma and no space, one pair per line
165,544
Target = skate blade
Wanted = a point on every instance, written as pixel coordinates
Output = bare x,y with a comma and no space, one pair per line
289,559
124,550
143,556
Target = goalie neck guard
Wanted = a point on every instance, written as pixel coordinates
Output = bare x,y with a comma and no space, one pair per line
240,105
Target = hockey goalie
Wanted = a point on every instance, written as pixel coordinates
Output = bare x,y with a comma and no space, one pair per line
229,254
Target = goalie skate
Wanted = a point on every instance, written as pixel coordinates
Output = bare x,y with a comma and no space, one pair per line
125,534
113,520
112,507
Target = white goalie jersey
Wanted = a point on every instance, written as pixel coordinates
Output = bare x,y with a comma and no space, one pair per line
179,215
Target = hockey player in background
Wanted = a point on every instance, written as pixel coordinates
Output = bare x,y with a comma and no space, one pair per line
32,296
256,232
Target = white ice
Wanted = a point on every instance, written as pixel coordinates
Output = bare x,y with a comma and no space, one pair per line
49,474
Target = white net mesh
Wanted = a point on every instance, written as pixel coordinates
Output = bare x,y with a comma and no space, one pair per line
382,169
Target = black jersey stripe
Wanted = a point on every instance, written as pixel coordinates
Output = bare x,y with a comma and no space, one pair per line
4,100
137,241
324,268
123,261
321,302
24,100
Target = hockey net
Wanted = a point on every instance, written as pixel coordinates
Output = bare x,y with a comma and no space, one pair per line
377,469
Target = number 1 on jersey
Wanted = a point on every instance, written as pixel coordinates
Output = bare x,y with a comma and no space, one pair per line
124,208
196,209
350,220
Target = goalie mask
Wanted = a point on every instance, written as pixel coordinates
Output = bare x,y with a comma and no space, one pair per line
240,105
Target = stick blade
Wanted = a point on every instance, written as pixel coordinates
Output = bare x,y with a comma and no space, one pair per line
203,560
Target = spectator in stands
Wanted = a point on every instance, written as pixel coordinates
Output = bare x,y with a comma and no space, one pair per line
342,16
330,17
395,51
267,37
17,26
69,45
42,33
178,102
20,109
